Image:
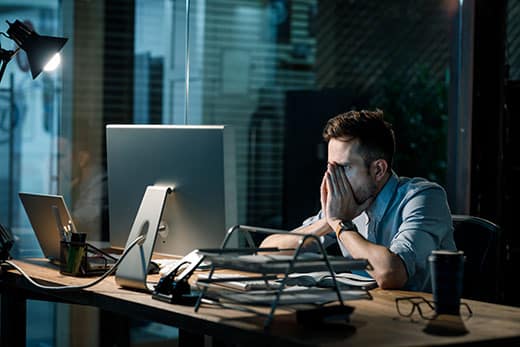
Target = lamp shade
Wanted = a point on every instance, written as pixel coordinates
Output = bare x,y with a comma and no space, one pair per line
40,49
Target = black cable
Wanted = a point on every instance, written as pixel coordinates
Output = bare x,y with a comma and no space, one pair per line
83,286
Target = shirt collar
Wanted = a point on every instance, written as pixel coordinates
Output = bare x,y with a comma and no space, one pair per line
378,207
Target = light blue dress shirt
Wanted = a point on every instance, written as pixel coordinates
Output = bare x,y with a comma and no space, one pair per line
411,217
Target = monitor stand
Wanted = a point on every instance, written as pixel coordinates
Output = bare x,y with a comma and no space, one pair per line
133,269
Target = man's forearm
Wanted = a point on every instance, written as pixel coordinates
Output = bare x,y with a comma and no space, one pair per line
288,241
388,268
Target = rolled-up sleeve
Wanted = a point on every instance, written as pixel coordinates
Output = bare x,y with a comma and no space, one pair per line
312,219
326,240
426,220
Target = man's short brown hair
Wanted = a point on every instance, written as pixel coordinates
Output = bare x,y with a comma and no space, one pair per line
375,135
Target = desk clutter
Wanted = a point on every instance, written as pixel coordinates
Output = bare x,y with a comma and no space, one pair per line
79,258
245,278
269,281
241,278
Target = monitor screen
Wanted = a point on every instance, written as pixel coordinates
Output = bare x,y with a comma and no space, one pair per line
198,162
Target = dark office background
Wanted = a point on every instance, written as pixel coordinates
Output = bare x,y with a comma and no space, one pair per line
447,77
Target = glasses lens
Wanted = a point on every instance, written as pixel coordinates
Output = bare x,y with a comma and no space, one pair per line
405,306
427,310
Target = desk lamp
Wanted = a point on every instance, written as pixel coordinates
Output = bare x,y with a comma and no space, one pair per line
42,51
42,54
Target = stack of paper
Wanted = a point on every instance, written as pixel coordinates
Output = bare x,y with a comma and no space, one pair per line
324,279
236,282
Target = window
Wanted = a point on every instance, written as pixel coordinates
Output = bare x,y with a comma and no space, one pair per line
276,70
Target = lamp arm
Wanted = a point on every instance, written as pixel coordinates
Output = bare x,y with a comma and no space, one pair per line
5,57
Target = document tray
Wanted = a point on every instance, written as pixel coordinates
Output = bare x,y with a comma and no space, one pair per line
292,296
266,263
278,264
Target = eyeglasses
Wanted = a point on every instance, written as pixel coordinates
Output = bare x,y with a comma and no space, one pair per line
406,307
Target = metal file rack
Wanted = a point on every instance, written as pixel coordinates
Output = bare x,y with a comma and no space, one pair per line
260,267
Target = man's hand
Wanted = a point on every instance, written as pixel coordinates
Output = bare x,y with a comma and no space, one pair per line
323,195
340,202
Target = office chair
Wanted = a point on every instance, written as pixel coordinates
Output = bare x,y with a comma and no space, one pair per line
479,238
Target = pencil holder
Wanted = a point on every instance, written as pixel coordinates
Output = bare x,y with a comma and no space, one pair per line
73,255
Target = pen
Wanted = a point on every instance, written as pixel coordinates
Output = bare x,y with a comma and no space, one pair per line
70,227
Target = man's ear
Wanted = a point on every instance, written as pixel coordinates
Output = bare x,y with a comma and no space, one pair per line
379,169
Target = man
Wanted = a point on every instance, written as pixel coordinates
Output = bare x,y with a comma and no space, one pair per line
372,213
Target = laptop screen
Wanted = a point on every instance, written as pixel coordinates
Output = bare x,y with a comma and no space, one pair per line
40,209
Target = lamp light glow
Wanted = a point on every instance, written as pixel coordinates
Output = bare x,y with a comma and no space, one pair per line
53,63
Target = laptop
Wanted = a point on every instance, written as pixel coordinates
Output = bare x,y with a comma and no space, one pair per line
40,209
46,212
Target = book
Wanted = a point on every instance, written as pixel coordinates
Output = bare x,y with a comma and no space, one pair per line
324,279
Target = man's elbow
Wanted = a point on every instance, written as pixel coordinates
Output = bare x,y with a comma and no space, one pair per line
269,241
394,276
391,280
391,274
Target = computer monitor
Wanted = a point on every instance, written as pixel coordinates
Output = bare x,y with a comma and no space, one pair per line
198,162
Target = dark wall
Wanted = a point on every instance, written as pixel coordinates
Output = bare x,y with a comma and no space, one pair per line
494,164
305,152
512,190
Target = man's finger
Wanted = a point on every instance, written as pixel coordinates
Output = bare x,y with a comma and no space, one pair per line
333,188
328,187
342,179
323,192
348,186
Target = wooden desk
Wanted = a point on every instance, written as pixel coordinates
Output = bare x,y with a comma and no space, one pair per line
373,322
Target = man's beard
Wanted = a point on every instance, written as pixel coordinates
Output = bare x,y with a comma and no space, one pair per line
365,194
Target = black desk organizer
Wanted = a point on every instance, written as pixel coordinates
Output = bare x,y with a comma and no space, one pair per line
280,267
174,288
80,258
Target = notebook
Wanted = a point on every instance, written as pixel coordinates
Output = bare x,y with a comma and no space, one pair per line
39,209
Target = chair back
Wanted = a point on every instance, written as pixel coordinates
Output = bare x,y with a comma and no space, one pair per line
479,238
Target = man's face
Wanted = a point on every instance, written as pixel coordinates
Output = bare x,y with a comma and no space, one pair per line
346,154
